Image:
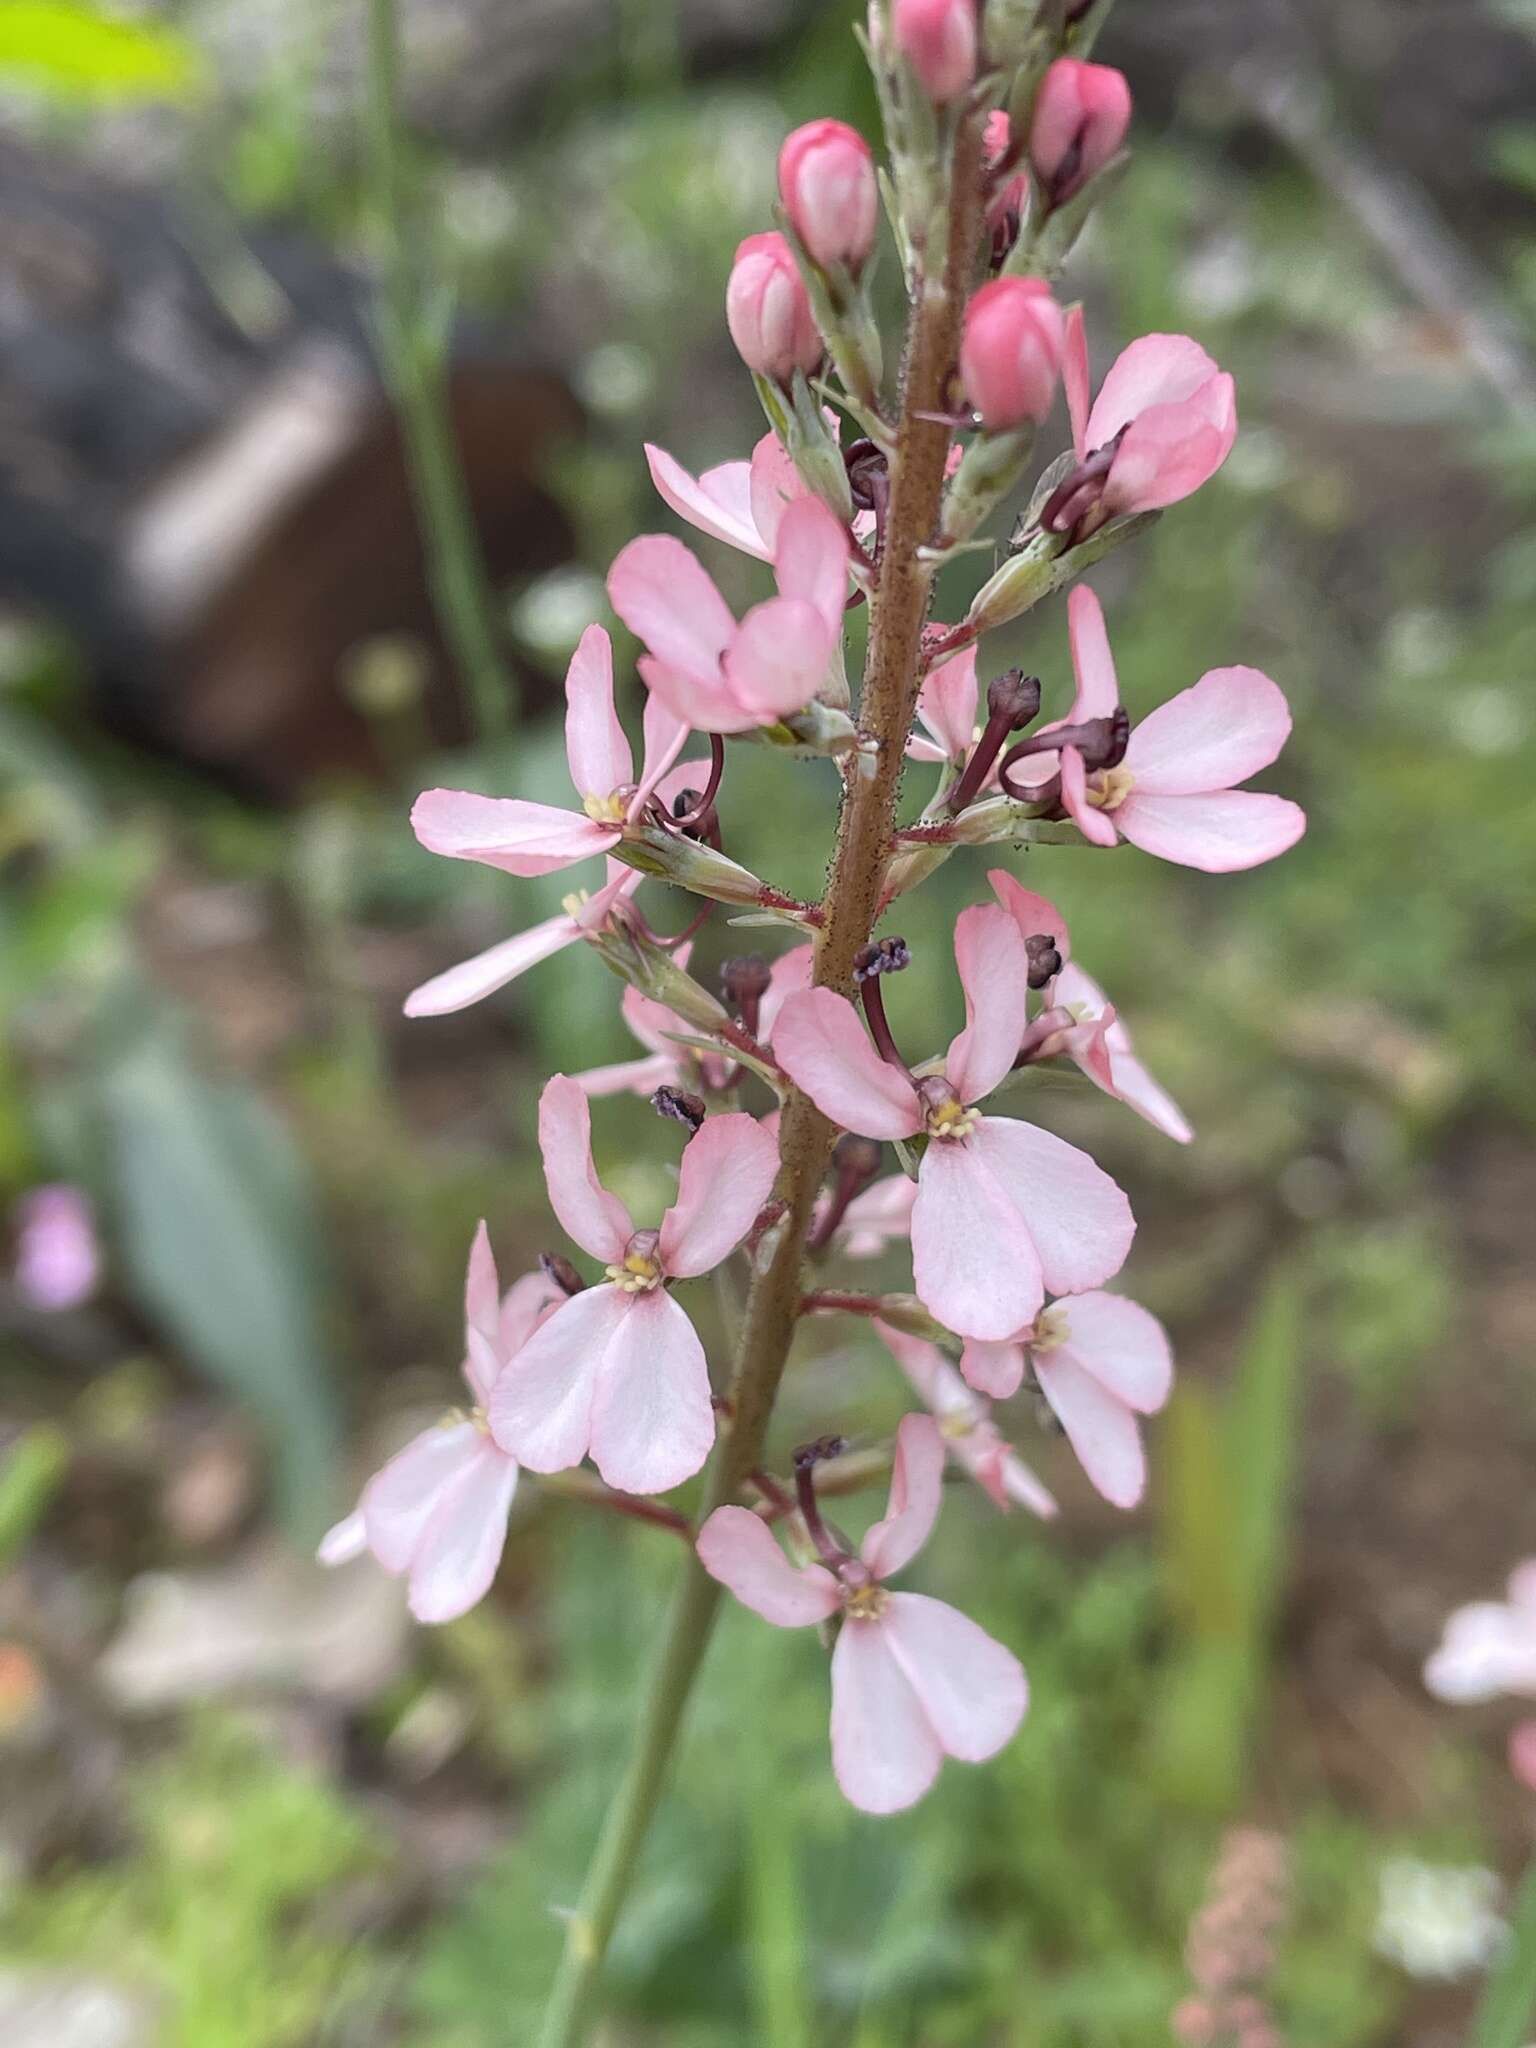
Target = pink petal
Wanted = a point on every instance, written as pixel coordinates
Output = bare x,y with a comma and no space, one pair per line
948,704
1126,1078
665,733
1075,380
1137,1090
472,980
598,1221
973,1260
825,1050
1035,916
1088,818
666,599
884,1750
527,1303
789,975
1158,369
702,702
810,561
972,1691
917,1487
1078,1220
1169,451
595,745
1098,687
776,484
728,1170
629,1077
344,1541
505,832
1122,1345
1101,1429
882,1212
1217,733
399,1499
1220,834
482,1289
1522,1753
541,1407
778,659
652,1422
994,973
461,1545
738,1549
993,1368
1020,1484
717,503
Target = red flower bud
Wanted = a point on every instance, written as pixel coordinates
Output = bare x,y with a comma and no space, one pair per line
768,310
938,39
1010,353
1081,116
827,184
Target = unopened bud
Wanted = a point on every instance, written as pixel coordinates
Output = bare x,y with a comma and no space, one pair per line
768,311
1014,696
857,1158
745,979
827,184
1044,958
1080,119
881,956
1010,352
868,473
680,1106
819,1452
938,39
555,1266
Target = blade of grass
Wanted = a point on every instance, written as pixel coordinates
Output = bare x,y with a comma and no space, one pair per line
1507,2012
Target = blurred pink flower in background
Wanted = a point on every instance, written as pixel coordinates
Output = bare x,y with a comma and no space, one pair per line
1488,1650
58,1260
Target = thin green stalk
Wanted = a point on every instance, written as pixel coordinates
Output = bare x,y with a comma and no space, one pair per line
414,336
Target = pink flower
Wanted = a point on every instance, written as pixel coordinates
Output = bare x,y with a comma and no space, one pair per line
1095,1037
768,310
827,184
965,1422
436,1514
1164,420
938,39
913,1680
1101,1362
1003,1210
1172,793
618,1370
535,839
1010,352
740,503
877,1217
58,1261
657,1029
1081,114
947,706
714,674
472,980
1489,1648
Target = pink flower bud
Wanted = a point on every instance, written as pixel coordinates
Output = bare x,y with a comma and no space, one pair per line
827,184
1006,198
768,310
938,39
1010,353
1081,116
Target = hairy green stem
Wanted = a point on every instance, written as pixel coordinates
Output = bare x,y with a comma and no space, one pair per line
891,678
414,339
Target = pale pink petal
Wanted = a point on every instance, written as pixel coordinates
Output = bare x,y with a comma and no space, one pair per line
652,1422
970,1436
1088,1045
1139,1091
541,1407
1075,380
1158,369
665,734
992,1367
472,980
630,1077
344,1541
1108,1058
1522,1753
1220,834
1098,688
1020,1484
1035,916
778,659
738,1549
505,832
775,485
973,1259
718,502
1101,1429
1078,1219
461,1546
619,881
703,702
398,1500
884,1751
789,976
1088,818
948,704
595,746
598,1221
917,1487
810,561
972,1691
1122,1344
882,1212
822,1046
667,600
994,973
1217,733
527,1303
1169,451
728,1170
482,1289
652,1023
1487,1649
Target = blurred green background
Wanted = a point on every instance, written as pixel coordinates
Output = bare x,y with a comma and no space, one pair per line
241,1804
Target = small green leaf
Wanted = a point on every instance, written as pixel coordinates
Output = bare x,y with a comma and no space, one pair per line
30,1474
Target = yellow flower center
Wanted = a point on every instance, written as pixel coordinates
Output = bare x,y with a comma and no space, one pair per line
574,904
1051,1328
639,1273
604,810
865,1603
955,1424
951,1119
1108,790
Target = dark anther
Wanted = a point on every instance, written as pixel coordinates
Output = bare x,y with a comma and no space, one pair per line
1101,741
868,474
881,956
1080,490
819,1452
676,1103
555,1266
1015,697
807,1458
744,982
1044,958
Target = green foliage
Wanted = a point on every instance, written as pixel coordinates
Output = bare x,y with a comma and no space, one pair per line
233,1914
1508,2008
31,1472
76,53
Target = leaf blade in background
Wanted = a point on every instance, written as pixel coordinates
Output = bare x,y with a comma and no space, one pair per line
1507,2010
